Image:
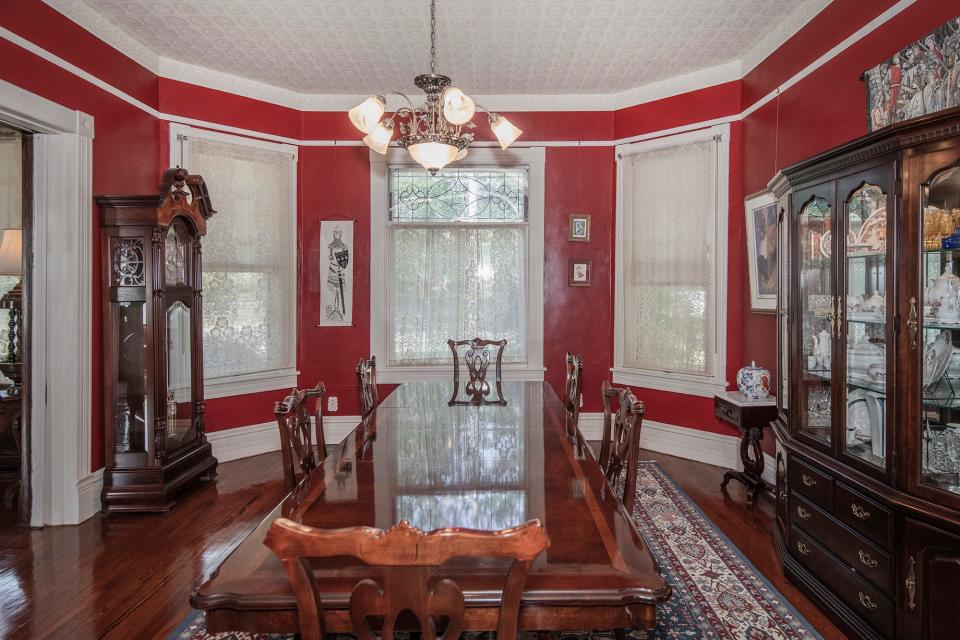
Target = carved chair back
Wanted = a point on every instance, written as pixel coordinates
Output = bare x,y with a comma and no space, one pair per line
620,447
367,377
572,388
407,560
296,440
477,359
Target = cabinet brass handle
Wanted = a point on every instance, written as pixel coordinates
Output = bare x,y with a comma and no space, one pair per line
866,559
839,316
858,511
807,480
913,325
911,583
803,549
803,513
865,600
832,317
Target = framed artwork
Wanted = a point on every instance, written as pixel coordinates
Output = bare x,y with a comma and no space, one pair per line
336,273
580,273
762,249
919,79
579,228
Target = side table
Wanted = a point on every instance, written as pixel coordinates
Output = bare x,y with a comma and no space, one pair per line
750,416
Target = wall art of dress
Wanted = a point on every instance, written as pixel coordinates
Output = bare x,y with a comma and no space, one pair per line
919,79
336,272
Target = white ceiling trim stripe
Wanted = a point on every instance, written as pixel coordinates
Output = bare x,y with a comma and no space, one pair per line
96,24
803,73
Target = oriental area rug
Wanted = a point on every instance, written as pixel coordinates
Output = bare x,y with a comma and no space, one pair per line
717,592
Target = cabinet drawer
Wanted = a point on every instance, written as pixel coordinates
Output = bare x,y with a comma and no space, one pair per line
863,515
863,598
864,557
811,483
727,411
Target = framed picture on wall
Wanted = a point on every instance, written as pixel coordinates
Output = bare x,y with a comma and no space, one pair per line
579,273
579,228
336,272
761,211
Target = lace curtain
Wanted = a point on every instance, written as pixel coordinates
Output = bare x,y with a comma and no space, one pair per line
669,221
458,245
249,299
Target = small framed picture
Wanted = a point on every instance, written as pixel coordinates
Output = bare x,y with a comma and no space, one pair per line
579,228
579,275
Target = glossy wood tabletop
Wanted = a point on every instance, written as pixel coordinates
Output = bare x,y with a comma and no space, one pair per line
487,467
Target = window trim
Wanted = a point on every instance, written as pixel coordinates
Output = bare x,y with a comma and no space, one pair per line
690,384
534,159
285,377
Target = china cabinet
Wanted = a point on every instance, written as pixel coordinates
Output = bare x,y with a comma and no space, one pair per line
868,422
152,344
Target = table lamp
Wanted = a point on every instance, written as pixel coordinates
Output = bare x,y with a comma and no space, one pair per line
11,264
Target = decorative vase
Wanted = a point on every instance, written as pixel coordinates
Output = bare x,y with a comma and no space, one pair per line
943,295
753,382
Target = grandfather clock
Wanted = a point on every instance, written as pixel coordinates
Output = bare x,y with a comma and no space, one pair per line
153,344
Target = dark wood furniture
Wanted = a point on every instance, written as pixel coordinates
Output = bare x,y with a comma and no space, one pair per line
750,416
477,358
411,579
367,378
499,466
868,477
620,445
153,344
299,455
11,446
573,385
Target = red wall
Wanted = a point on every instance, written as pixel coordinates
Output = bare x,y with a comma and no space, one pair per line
825,109
125,158
130,150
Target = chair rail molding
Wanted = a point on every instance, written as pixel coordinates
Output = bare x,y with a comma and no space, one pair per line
61,360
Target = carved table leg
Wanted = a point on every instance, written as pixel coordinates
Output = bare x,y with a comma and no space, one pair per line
752,473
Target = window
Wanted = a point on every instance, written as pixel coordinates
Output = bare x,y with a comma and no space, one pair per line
249,260
457,255
670,318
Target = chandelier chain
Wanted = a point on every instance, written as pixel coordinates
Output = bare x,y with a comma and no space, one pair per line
433,36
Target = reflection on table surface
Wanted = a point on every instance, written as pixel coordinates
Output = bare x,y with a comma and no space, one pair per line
485,467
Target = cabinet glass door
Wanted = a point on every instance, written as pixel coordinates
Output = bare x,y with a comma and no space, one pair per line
179,402
817,318
862,313
939,338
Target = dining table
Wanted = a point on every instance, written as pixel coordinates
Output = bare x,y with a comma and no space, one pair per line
435,463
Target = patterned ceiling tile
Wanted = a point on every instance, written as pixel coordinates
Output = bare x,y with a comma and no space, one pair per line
496,47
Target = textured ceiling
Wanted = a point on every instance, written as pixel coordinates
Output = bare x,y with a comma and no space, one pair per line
490,47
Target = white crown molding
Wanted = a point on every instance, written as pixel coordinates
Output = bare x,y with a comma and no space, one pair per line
165,67
826,57
79,12
777,37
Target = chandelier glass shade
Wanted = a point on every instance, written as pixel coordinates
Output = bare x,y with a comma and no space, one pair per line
437,132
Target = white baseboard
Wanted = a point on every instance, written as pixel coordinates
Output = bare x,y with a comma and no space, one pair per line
88,493
701,446
243,442
252,440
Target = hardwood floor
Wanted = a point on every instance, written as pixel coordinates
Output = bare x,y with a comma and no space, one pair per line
129,576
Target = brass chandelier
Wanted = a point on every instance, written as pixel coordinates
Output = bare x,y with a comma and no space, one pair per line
433,133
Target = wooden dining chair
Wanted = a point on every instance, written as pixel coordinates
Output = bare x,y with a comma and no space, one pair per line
296,441
477,359
620,447
572,387
407,562
367,377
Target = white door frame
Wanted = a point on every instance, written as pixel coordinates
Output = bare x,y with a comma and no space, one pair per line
63,490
